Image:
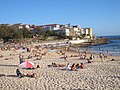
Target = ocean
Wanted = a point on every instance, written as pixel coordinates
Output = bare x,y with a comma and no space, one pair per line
112,48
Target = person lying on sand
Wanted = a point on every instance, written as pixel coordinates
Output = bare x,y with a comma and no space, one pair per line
56,65
8,58
64,57
29,56
19,74
74,56
32,75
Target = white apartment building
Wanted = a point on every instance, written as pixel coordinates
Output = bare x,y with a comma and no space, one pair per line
70,30
52,27
87,32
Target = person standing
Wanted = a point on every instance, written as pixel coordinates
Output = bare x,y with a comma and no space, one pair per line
21,58
101,56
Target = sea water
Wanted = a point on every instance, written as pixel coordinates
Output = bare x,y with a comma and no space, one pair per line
112,48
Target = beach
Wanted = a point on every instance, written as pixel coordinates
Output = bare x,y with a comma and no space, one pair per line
98,75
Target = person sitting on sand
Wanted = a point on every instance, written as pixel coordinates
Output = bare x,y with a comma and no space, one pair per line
36,54
68,67
28,49
89,61
19,74
37,66
73,67
54,65
82,66
77,66
91,57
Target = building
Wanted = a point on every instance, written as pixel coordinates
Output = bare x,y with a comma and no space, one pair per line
63,31
76,30
87,32
60,29
68,30
51,27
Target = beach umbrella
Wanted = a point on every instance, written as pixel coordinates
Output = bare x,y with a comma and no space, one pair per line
27,65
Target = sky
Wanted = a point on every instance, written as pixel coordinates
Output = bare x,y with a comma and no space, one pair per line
101,15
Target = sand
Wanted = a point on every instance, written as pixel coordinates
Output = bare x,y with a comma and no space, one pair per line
99,75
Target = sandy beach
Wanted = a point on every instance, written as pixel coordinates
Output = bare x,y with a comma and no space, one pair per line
98,75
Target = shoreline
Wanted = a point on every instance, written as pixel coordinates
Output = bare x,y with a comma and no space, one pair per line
63,44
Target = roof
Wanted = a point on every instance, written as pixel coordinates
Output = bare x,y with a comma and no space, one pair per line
51,24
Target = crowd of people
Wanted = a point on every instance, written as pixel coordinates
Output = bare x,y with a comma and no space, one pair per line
38,52
74,67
